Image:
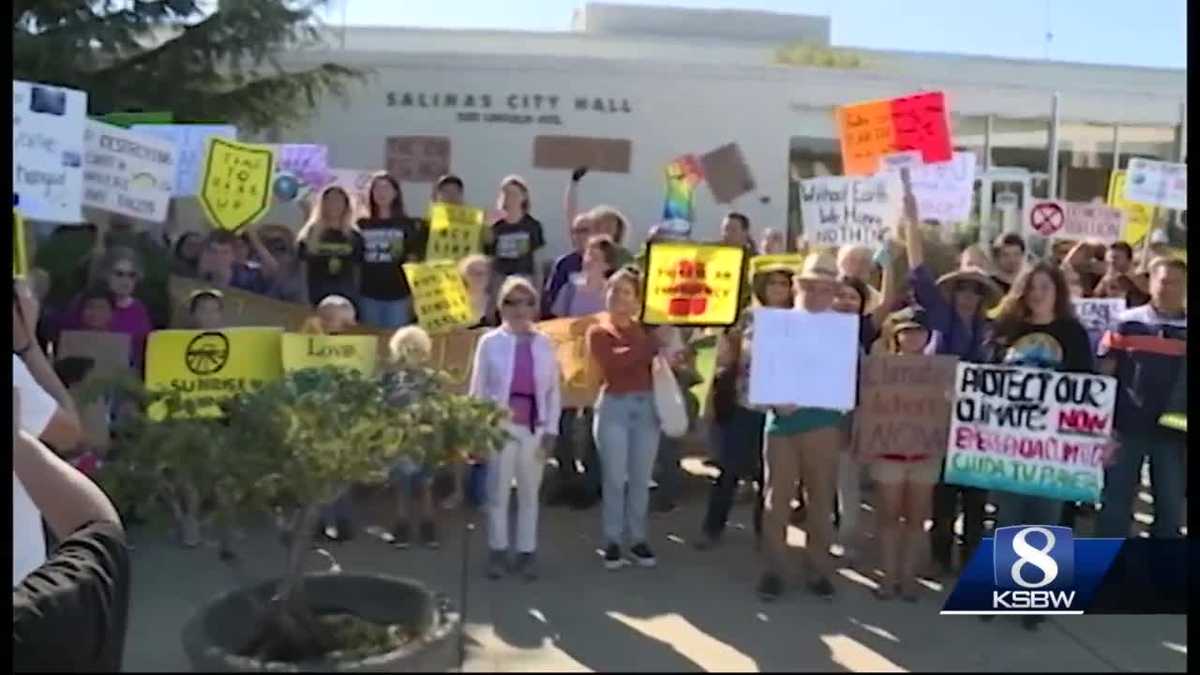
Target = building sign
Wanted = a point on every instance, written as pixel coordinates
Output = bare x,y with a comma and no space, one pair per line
509,107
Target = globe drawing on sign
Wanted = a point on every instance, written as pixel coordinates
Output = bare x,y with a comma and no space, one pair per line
1036,350
286,187
207,353
143,181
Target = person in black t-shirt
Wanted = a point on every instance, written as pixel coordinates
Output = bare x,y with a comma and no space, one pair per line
332,247
390,239
517,236
71,613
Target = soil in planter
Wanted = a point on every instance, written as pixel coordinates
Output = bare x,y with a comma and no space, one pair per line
343,637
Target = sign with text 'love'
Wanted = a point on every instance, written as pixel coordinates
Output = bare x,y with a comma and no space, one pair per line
356,352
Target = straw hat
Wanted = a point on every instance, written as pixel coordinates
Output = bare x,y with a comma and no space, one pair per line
909,317
819,267
946,282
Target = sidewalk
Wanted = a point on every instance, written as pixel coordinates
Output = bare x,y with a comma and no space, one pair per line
695,612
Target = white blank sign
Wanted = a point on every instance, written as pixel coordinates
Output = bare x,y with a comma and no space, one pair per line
804,359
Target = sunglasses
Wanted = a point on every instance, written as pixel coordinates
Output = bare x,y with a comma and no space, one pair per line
509,302
124,274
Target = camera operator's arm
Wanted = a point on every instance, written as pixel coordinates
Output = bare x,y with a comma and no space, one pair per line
60,427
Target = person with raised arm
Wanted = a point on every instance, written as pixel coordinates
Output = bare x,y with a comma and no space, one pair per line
603,219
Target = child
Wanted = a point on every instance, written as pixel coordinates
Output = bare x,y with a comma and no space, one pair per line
96,309
335,315
905,478
206,309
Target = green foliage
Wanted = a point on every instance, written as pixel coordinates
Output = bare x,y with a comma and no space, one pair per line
173,55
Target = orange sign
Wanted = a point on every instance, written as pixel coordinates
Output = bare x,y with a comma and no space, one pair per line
873,130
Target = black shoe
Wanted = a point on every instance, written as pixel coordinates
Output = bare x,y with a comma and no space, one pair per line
1031,622
643,556
526,566
612,557
769,588
429,536
402,535
822,588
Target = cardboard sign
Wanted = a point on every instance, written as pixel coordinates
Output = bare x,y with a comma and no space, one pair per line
356,352
1158,183
569,152
580,372
1096,315
191,146
241,308
839,211
872,130
804,359
726,172
20,259
237,183
47,156
1030,431
1074,220
792,261
210,366
455,232
417,159
126,172
944,191
1138,217
692,284
109,353
439,296
683,175
298,168
454,354
904,405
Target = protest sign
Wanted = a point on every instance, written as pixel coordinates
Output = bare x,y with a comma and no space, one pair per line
683,175
241,308
20,259
792,261
417,159
109,354
872,130
356,352
1074,220
48,151
1030,431
126,172
580,373
726,173
455,231
1138,217
1158,183
191,144
944,191
804,359
904,405
207,367
454,354
1096,315
570,152
299,167
692,284
237,183
439,296
839,211
356,183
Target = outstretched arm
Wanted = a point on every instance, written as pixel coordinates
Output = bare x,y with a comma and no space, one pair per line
571,198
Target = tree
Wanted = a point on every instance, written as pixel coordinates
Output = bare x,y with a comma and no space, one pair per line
176,55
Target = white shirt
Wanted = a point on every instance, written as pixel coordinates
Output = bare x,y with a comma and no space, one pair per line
29,540
491,376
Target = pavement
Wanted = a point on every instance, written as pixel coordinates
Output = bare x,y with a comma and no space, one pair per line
695,612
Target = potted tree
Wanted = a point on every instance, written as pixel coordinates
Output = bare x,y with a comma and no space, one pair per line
286,449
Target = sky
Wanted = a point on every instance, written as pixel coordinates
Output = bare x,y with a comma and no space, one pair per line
1150,33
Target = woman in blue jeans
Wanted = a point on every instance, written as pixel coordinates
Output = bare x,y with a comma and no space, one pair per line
626,426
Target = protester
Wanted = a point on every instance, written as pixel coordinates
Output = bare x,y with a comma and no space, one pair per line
390,239
517,367
1120,280
218,266
448,189
567,264
857,261
82,590
286,282
603,219
119,271
626,423
1008,253
735,231
206,309
476,271
516,236
187,250
1081,269
1146,349
331,245
96,309
1035,327
773,242
583,293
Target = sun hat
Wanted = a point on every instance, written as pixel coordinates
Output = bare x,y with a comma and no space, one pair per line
908,318
819,267
991,291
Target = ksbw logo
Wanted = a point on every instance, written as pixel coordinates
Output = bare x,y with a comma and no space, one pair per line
1034,570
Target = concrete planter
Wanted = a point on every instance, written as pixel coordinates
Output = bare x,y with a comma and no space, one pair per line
217,629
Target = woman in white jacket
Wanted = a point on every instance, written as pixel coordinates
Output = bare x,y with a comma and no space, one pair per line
517,367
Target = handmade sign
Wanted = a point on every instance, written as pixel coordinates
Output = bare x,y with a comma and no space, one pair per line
804,359
1096,315
839,211
872,130
439,296
126,172
1030,431
944,191
240,308
208,367
237,183
692,284
191,145
1158,183
109,354
1138,217
455,231
569,152
726,173
904,405
683,175
1074,220
298,168
355,182
792,261
454,354
356,352
20,259
47,156
417,159
580,373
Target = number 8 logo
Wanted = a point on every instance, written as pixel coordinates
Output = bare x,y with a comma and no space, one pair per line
1028,555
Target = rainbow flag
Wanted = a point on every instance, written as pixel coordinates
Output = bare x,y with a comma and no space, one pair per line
683,175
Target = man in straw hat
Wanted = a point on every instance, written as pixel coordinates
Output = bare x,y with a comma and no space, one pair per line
807,440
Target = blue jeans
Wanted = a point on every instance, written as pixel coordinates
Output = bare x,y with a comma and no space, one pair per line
627,430
1121,481
385,313
1016,509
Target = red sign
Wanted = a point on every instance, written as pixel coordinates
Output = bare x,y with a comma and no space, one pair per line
873,130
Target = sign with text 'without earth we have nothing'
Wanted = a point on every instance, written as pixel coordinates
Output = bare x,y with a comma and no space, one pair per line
838,210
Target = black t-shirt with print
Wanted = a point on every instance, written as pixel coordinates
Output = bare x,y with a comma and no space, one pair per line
513,245
331,263
1060,345
387,244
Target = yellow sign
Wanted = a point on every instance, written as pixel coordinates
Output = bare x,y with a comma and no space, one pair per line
356,352
210,366
439,296
454,231
236,185
20,260
692,284
580,372
791,261
1138,216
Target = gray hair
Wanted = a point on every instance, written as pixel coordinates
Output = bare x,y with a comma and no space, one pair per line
119,254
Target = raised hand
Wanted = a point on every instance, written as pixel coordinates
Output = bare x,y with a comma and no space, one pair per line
578,173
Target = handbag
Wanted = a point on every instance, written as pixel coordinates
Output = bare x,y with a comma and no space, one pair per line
668,400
